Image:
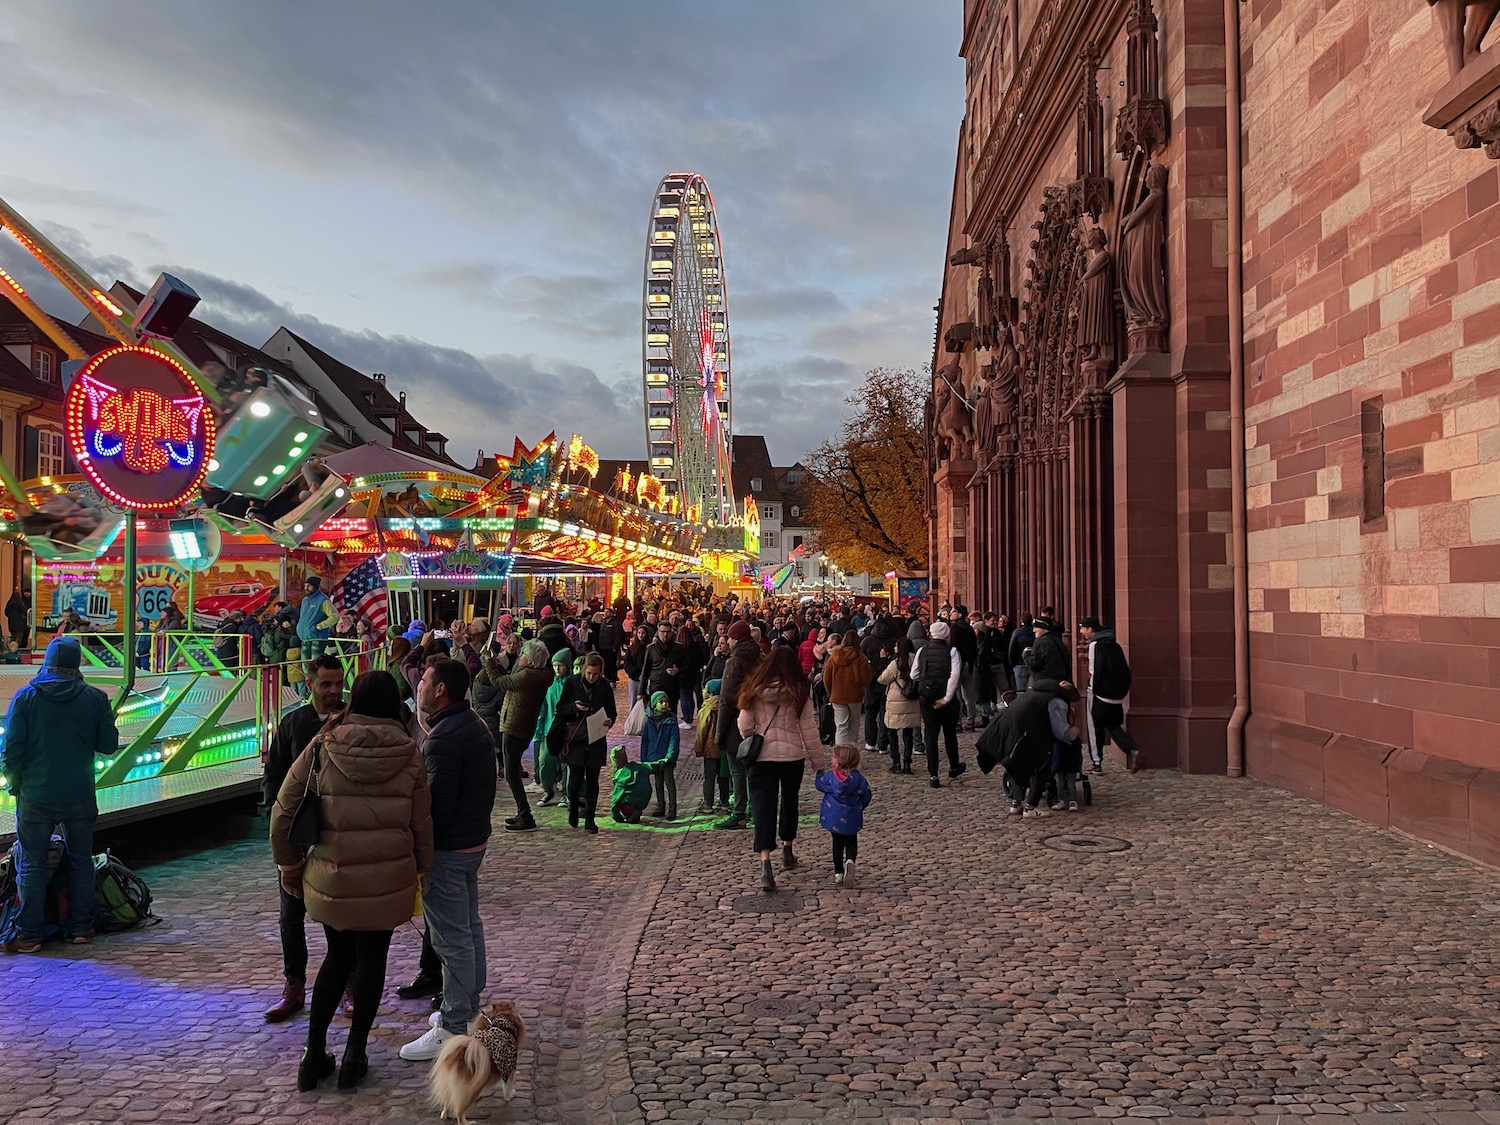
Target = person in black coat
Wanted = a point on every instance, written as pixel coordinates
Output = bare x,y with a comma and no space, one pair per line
293,734
743,659
878,650
1020,740
460,756
1049,658
568,737
1109,684
661,667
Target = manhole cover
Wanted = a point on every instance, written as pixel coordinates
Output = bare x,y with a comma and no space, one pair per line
1086,842
772,1009
779,903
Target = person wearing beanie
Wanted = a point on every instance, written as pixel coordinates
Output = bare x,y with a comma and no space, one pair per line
315,621
660,743
706,746
937,668
56,726
744,657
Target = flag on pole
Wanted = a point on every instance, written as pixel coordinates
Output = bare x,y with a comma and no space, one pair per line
362,593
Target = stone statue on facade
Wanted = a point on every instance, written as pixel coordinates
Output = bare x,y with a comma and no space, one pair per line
1096,299
1000,395
953,420
1144,284
1464,24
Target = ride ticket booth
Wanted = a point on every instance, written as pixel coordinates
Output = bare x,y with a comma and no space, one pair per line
461,584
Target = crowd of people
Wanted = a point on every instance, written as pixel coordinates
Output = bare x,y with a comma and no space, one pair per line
382,803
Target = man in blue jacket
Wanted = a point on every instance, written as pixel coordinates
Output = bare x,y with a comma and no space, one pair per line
460,756
315,621
55,727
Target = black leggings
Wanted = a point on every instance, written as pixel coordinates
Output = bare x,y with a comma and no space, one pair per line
361,953
513,747
714,779
773,791
844,847
583,790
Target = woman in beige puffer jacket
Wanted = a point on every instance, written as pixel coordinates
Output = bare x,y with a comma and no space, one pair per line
360,879
774,702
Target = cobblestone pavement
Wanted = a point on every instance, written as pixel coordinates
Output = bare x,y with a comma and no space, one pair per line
1185,948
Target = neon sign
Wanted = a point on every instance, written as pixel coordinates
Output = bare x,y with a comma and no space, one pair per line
139,428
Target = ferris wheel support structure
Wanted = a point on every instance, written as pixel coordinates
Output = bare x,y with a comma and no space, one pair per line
685,351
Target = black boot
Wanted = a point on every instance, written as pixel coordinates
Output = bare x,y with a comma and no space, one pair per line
313,1068
354,1068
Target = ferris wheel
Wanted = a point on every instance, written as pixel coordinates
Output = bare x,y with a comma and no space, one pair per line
685,350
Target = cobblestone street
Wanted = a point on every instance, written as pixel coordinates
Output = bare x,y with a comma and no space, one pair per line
1188,947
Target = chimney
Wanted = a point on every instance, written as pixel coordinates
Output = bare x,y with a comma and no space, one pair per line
379,377
403,402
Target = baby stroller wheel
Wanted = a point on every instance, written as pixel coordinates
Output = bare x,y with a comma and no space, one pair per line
1088,790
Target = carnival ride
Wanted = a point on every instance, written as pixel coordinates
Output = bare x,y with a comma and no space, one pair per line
160,442
685,351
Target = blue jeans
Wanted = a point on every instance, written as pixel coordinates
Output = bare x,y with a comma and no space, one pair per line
1023,677
34,824
450,904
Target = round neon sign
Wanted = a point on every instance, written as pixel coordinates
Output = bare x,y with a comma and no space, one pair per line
139,428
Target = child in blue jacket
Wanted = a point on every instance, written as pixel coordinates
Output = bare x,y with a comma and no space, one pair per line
660,740
846,795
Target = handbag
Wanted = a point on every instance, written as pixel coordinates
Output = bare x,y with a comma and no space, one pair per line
752,744
307,821
635,723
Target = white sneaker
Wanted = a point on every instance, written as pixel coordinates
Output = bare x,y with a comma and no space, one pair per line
838,879
427,1048
1072,806
434,1019
1027,814
849,879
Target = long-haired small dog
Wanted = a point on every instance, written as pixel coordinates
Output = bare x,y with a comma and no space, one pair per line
468,1065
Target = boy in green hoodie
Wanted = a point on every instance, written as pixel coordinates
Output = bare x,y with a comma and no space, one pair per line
660,741
632,788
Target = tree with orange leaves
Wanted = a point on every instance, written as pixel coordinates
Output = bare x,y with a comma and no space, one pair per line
866,487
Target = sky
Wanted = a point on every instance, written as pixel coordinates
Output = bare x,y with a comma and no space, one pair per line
456,193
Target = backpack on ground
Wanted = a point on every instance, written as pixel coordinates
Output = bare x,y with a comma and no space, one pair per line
121,897
10,891
933,673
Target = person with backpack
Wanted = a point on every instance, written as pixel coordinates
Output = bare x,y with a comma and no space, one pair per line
903,711
1021,639
937,669
55,727
1109,684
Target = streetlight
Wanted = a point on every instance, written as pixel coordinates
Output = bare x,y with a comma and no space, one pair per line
823,573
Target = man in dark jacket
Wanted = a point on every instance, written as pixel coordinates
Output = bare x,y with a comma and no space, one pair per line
293,733
608,644
878,650
662,667
1049,658
743,658
1020,740
1109,684
460,757
962,637
55,727
552,633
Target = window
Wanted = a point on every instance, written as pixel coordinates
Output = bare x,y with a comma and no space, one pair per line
768,539
1372,458
41,363
769,512
796,512
794,476
796,541
50,457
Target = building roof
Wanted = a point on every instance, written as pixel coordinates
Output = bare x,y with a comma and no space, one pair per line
752,462
16,329
203,343
375,402
372,457
793,493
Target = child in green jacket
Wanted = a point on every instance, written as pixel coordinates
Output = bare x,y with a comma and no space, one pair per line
632,789
548,768
660,741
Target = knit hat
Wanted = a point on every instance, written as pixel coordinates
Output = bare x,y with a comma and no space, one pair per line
939,631
739,630
714,686
658,701
505,620
546,611
564,657
63,653
1090,623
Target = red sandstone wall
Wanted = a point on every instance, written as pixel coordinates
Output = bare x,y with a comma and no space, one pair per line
1372,269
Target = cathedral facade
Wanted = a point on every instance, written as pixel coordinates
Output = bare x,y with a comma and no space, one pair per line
1218,361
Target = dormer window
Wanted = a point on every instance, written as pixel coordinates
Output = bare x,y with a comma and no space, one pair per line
756,484
42,365
796,512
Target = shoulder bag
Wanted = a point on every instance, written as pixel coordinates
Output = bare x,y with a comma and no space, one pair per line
307,821
751,745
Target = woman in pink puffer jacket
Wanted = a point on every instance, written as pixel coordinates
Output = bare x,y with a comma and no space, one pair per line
774,702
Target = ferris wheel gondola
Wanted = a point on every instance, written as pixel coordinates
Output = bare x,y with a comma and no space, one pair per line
685,351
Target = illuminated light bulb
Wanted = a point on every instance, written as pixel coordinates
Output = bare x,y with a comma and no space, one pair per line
295,451
261,480
297,528
301,437
278,470
213,464
260,409
312,413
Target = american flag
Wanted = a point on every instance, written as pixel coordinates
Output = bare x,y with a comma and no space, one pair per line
362,593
